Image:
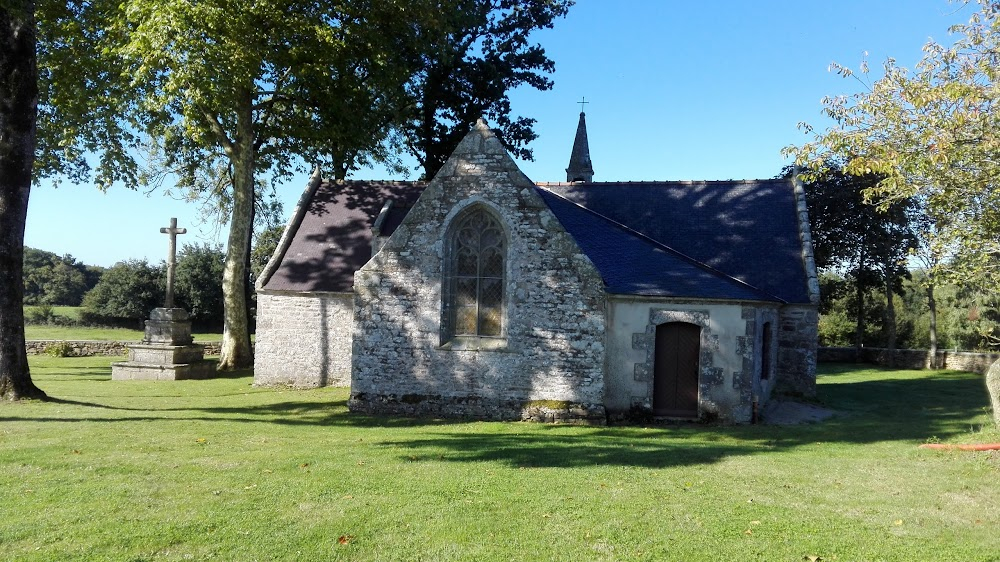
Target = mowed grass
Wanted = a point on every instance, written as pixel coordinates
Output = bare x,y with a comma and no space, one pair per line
221,470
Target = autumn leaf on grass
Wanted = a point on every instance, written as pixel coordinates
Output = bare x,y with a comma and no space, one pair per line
812,558
201,441
344,539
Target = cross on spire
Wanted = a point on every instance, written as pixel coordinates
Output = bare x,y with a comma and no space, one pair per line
582,102
172,231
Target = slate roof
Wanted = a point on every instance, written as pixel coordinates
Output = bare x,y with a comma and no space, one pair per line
334,237
734,240
747,230
632,264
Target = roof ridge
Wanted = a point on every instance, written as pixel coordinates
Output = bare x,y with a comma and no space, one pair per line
664,247
658,182
345,181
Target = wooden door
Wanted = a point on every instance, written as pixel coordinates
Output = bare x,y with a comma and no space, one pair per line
675,370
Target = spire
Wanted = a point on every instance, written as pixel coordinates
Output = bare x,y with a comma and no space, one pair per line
580,168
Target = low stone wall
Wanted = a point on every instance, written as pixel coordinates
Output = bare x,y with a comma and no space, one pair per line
910,358
90,348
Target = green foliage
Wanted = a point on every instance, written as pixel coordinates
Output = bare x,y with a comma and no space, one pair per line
263,248
53,280
198,283
127,291
473,62
932,134
271,474
58,349
85,103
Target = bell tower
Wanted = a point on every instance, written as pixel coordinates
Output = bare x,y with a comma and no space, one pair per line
580,167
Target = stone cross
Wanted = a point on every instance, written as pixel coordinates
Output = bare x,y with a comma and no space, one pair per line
172,231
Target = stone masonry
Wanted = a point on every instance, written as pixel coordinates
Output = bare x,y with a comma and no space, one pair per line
549,363
303,340
798,332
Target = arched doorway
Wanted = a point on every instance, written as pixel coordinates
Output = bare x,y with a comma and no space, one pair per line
675,369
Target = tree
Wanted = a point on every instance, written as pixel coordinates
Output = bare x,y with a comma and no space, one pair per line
243,89
128,290
18,110
199,283
266,244
933,134
54,280
867,243
471,66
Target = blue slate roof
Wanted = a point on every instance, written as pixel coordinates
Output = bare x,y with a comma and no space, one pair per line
632,264
742,231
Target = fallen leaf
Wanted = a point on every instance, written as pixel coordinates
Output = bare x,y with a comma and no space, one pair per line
250,487
76,451
545,516
897,522
361,463
812,558
266,471
348,497
303,465
344,539
748,532
201,440
755,522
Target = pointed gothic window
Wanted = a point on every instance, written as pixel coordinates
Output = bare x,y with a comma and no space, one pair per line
475,295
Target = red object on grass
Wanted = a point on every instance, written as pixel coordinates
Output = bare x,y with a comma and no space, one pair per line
978,447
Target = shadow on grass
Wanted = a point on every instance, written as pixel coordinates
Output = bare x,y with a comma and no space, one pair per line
872,406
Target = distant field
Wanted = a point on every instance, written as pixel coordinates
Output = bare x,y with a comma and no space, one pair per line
72,312
221,470
45,332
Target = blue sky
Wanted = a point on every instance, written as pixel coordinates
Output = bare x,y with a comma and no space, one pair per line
678,90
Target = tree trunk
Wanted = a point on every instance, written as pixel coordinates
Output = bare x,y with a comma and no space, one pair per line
236,353
993,387
932,305
18,110
890,320
859,329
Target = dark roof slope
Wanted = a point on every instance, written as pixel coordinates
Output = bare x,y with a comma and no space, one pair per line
632,264
334,237
747,230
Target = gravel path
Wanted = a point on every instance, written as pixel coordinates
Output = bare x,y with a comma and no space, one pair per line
785,412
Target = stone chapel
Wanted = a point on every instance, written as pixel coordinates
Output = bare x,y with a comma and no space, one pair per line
483,294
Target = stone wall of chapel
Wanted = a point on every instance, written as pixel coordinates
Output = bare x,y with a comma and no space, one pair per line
550,365
729,363
303,340
798,333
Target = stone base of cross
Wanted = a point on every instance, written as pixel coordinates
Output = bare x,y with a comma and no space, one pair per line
168,326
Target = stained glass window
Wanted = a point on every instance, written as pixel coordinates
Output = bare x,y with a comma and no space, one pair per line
477,267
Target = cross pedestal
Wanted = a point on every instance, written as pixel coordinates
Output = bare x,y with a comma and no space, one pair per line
167,351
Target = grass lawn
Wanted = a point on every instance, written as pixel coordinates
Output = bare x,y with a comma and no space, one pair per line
220,470
83,333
